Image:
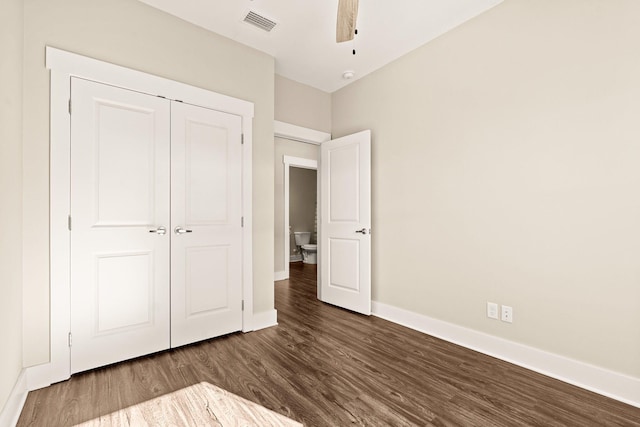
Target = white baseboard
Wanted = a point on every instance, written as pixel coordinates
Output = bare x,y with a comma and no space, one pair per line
279,275
598,380
12,409
295,258
38,376
265,319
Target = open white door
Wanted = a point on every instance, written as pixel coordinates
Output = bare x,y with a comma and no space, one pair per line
345,233
119,220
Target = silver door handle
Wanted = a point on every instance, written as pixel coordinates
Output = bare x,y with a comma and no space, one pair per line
159,231
363,231
180,230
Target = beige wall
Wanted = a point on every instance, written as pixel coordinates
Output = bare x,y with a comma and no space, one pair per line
11,49
302,201
302,105
285,147
506,169
129,33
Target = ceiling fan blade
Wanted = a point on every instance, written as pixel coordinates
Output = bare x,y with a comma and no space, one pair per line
347,15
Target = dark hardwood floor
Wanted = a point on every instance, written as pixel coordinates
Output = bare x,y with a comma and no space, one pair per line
324,366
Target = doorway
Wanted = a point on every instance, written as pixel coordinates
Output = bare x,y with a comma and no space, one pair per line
344,219
303,215
298,147
301,209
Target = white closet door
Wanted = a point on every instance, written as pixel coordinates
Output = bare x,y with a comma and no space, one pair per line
119,199
206,230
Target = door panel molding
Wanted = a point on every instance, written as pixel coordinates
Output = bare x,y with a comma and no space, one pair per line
64,65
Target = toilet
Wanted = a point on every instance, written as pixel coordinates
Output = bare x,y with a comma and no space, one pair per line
310,253
309,250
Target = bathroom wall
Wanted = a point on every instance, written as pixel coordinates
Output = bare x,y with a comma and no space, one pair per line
506,168
302,201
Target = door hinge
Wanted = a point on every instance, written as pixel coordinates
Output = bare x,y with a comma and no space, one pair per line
69,105
69,222
242,305
242,138
70,339
241,221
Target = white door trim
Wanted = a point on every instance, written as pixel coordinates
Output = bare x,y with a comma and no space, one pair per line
310,136
297,162
63,65
299,133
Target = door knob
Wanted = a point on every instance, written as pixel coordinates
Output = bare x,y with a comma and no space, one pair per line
159,231
363,231
180,230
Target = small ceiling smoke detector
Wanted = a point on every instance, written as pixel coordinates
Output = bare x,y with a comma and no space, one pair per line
348,75
259,21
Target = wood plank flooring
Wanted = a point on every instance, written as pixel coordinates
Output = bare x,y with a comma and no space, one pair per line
322,366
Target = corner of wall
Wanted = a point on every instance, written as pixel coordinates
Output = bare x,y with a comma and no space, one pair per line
265,319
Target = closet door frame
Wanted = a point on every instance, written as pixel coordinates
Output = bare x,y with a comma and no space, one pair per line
63,65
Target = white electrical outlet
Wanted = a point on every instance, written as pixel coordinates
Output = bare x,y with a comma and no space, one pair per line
492,310
507,314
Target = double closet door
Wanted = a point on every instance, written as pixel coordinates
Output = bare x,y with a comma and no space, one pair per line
156,233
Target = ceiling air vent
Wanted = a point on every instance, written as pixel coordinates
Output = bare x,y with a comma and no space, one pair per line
259,21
